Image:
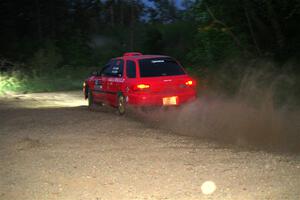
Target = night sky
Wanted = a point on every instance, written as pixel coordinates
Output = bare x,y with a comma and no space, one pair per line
178,3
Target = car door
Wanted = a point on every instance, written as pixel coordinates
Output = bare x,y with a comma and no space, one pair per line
115,81
130,78
100,84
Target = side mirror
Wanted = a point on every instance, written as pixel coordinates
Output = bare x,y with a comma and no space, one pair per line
96,73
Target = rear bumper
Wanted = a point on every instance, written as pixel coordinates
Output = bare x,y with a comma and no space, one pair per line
157,99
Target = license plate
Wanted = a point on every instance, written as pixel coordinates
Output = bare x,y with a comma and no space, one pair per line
170,101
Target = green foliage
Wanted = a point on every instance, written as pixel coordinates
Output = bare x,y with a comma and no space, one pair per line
10,82
64,40
75,51
61,79
153,41
170,39
212,47
252,80
178,38
46,59
165,11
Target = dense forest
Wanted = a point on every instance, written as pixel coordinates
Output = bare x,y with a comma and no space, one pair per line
69,38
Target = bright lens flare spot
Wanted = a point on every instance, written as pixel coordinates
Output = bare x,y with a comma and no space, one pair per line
208,187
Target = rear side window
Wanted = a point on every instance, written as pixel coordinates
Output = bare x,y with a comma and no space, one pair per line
115,69
130,69
159,67
107,68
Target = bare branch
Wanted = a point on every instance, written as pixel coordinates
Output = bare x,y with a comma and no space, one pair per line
233,36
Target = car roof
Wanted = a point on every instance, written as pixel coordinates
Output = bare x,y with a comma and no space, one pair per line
139,57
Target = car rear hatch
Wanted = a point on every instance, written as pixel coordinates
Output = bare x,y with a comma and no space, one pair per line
166,85
163,75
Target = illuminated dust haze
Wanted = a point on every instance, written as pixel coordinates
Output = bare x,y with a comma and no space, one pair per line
251,118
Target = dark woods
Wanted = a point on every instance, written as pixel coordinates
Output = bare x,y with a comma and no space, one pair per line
204,34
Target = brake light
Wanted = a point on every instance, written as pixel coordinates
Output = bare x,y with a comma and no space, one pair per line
189,83
141,87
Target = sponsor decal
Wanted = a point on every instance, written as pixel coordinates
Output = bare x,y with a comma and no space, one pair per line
116,80
157,61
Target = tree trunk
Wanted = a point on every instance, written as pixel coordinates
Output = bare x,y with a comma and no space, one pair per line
38,20
280,39
53,19
232,35
132,20
121,12
250,26
112,13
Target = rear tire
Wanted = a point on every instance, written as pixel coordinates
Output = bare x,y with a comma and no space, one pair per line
121,105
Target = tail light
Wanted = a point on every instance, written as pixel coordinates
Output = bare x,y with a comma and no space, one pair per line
190,83
141,87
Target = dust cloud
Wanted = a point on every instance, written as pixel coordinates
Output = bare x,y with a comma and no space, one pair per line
250,118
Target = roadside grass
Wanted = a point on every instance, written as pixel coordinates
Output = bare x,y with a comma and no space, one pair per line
55,80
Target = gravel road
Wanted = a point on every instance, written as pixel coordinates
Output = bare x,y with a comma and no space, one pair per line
52,147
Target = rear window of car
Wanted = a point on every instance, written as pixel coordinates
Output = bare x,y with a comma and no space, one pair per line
159,67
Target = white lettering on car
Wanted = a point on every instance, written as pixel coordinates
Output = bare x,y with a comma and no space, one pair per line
157,61
116,80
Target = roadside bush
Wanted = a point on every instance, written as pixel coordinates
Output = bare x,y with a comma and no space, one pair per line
46,59
75,51
61,79
252,80
10,82
212,47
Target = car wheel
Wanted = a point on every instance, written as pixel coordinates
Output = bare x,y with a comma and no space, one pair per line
121,105
91,103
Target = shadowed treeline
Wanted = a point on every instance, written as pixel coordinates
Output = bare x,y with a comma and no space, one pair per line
54,45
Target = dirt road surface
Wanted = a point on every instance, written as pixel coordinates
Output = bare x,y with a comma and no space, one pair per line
52,147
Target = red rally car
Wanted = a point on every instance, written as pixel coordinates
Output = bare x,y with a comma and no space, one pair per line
140,80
